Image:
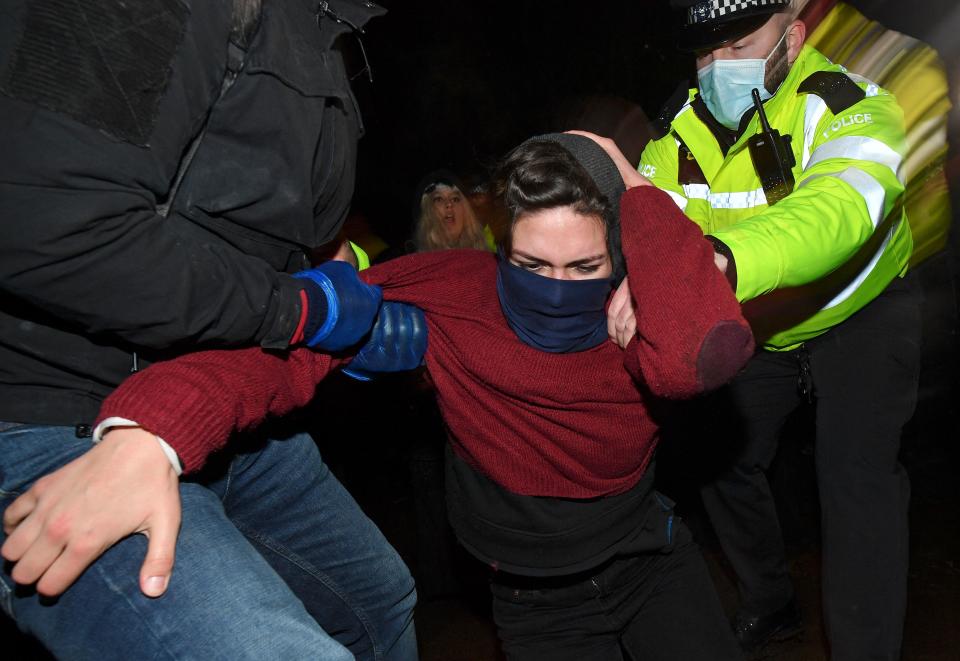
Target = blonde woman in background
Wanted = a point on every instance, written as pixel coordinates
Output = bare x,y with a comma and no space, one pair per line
446,219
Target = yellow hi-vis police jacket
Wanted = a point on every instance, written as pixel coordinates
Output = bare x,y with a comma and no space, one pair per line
832,245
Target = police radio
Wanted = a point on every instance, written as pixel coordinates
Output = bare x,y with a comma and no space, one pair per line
772,157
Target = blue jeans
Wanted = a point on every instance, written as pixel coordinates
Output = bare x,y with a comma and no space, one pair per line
274,560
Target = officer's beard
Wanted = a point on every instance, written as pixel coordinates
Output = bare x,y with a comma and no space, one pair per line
777,69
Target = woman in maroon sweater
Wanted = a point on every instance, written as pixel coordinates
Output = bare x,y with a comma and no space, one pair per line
552,441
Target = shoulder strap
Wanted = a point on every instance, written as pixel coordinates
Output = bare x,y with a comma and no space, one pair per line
836,89
245,18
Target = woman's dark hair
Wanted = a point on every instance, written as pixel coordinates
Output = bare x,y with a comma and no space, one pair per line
541,174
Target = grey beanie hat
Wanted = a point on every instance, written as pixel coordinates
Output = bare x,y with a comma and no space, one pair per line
596,162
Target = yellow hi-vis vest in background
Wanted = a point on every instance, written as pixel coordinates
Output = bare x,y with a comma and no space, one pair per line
912,72
830,247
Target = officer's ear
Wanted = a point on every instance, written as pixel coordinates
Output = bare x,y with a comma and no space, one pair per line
796,36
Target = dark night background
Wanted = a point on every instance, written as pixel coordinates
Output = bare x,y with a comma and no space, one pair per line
456,84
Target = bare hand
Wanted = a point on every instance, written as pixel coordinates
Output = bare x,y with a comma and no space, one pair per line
68,518
629,173
621,316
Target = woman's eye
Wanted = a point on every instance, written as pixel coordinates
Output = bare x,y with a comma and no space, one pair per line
530,266
589,268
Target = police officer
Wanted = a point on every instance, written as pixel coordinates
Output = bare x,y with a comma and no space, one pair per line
806,215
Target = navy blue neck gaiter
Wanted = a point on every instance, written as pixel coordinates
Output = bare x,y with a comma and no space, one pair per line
558,316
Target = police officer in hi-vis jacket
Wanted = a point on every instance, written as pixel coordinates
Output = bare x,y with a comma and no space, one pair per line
804,203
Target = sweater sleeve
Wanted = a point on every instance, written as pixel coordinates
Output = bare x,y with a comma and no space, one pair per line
442,282
197,401
691,335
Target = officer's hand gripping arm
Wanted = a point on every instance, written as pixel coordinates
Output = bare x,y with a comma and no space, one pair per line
341,307
397,343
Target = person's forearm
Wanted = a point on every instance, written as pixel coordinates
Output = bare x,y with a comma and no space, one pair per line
112,268
197,401
691,334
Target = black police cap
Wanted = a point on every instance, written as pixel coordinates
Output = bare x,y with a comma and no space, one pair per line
710,23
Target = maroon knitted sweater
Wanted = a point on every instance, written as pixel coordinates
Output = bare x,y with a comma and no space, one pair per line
570,425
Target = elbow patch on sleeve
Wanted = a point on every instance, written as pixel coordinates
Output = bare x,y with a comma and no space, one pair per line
725,350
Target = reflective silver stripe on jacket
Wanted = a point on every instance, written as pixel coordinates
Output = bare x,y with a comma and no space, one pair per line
732,200
860,148
813,113
874,195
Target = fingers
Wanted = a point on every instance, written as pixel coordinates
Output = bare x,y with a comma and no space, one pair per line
59,572
23,535
627,170
620,298
16,512
621,317
70,517
38,557
49,549
626,329
34,538
599,139
721,262
158,563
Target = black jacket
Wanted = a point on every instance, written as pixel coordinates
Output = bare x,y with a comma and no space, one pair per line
90,272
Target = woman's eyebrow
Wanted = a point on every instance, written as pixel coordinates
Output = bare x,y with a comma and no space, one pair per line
587,260
519,254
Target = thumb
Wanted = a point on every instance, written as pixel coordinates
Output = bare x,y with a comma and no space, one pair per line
161,550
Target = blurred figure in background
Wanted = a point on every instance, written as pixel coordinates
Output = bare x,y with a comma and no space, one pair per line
446,219
487,206
914,73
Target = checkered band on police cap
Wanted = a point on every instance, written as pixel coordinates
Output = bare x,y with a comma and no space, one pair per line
710,10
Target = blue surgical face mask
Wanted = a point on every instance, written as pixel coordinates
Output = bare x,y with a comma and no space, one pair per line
558,316
727,86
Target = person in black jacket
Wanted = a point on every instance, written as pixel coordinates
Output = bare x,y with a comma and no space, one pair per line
167,166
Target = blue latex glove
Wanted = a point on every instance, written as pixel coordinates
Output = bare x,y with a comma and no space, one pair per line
351,306
397,343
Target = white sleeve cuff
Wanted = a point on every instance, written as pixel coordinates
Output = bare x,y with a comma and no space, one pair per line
115,421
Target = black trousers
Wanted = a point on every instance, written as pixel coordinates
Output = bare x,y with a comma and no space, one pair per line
658,606
863,379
